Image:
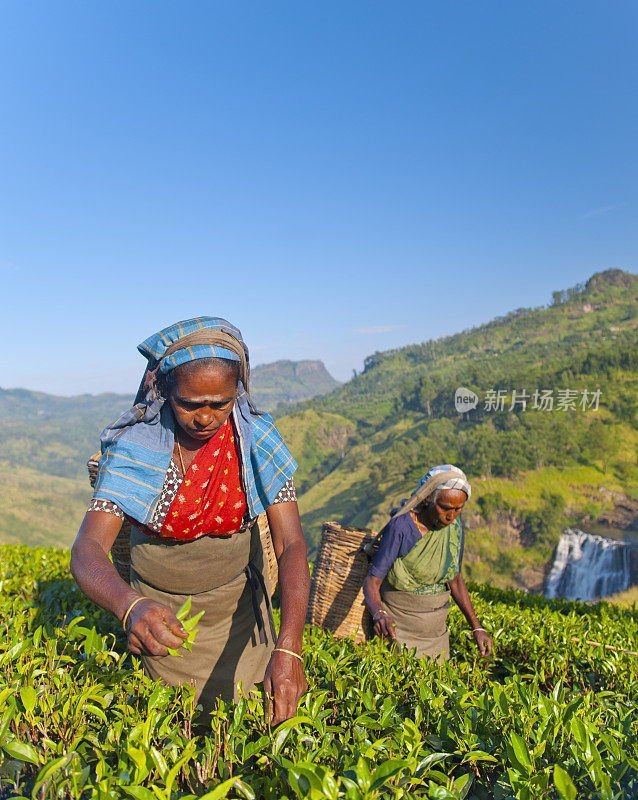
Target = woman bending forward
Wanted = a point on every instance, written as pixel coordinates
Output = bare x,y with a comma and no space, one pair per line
418,565
191,467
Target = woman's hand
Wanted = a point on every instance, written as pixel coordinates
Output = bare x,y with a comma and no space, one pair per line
152,628
284,683
483,642
384,626
461,597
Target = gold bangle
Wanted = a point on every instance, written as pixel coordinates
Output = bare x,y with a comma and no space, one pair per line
130,608
290,652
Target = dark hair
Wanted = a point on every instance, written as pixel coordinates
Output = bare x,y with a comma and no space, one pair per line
168,382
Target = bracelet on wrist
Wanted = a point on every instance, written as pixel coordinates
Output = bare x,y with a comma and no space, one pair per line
380,611
289,652
130,608
478,629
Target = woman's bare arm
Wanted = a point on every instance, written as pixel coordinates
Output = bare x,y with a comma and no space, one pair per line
284,680
90,565
383,624
152,627
462,599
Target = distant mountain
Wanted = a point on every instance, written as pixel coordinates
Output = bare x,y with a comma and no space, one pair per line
283,382
55,435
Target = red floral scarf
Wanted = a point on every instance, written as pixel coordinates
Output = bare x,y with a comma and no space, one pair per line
210,499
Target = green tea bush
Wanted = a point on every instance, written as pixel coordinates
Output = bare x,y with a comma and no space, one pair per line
549,717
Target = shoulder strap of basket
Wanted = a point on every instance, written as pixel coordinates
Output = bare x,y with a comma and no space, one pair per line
370,548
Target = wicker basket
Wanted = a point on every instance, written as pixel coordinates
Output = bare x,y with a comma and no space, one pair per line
336,589
121,548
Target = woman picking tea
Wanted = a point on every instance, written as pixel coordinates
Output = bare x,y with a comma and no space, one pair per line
418,566
191,467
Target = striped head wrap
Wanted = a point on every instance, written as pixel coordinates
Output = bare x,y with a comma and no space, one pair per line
191,339
138,447
443,476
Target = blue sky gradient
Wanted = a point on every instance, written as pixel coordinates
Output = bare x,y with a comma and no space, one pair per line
334,178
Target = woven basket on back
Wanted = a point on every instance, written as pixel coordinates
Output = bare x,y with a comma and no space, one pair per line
336,589
121,548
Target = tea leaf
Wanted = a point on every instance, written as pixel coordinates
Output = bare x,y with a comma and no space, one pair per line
21,751
563,783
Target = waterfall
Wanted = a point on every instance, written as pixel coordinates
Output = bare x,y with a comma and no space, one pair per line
588,567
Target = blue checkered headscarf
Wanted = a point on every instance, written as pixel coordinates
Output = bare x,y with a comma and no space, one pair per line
138,447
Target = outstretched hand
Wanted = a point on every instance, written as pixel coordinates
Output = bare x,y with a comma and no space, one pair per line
384,626
284,683
484,643
152,628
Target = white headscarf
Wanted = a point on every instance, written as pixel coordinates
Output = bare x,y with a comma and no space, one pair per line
443,476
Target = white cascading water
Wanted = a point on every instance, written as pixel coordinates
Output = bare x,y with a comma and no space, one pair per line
588,567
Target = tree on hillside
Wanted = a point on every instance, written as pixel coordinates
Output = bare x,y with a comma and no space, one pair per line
482,450
601,442
426,394
626,408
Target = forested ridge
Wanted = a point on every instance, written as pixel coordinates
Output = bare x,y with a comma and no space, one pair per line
364,446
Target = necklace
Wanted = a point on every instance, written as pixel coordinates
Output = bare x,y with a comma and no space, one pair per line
179,452
423,529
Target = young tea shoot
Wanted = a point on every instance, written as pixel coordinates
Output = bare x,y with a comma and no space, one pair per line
188,623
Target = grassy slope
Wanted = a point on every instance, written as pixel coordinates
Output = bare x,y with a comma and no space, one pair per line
40,509
628,598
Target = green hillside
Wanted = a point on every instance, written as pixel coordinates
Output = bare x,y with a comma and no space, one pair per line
364,445
533,471
54,435
39,509
289,382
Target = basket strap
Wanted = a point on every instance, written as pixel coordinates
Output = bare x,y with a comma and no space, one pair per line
370,549
256,581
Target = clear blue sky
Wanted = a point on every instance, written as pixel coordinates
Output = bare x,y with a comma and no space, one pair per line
335,178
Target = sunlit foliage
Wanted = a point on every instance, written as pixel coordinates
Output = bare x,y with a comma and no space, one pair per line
551,716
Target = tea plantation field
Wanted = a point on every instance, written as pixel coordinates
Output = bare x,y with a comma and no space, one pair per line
550,716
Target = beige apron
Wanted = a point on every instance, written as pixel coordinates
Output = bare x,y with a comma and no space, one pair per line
235,635
421,621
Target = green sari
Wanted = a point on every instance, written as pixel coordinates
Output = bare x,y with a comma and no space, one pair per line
416,595
430,564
